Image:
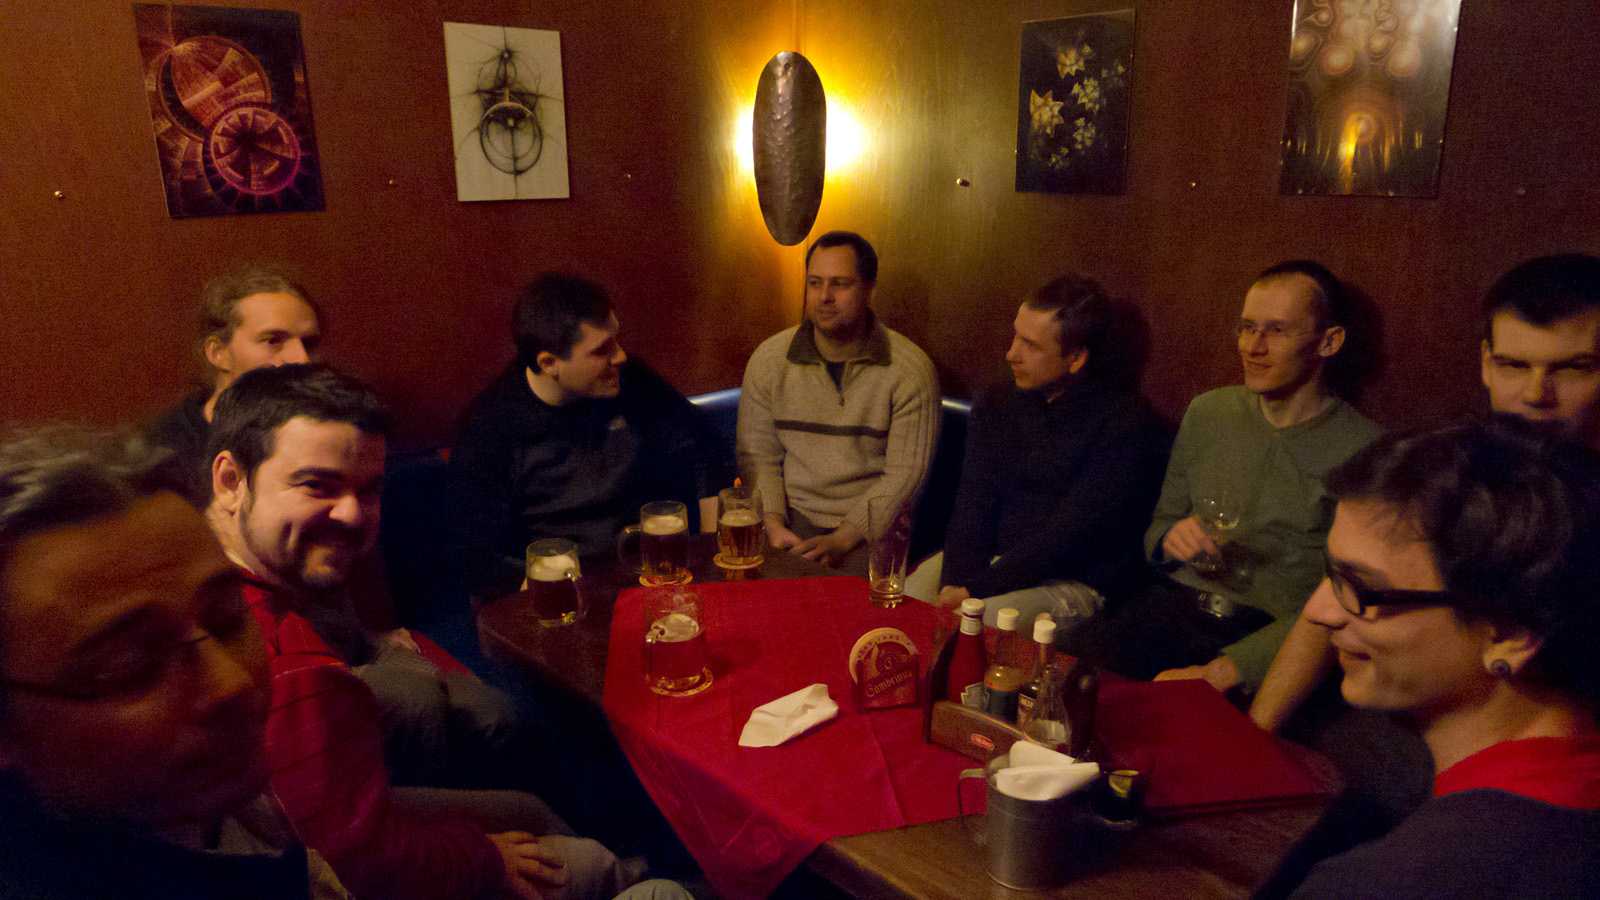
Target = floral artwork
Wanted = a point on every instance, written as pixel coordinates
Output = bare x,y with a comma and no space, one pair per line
1368,86
1072,122
506,112
231,110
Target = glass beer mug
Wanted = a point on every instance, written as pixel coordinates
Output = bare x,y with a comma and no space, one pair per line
663,536
553,575
675,660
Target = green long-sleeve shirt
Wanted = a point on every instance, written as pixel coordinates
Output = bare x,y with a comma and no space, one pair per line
1276,553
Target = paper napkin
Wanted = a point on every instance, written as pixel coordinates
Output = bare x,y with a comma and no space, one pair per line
788,716
1039,773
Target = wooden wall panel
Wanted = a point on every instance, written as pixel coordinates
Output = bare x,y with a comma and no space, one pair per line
97,288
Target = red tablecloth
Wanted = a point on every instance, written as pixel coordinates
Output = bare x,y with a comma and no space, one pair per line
750,815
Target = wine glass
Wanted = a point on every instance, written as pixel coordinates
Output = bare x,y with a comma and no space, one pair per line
1219,512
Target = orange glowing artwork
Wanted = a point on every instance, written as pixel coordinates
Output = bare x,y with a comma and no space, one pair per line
1368,84
232,114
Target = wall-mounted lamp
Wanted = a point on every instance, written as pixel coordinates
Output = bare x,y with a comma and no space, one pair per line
789,142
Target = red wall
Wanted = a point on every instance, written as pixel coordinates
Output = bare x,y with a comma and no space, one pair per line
98,287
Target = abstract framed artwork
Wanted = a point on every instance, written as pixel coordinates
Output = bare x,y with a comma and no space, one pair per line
1074,104
507,112
231,109
1368,87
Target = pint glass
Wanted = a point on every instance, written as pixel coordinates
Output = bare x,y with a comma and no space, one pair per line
740,533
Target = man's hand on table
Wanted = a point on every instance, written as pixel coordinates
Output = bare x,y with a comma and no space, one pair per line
1221,673
1186,540
780,537
830,549
950,596
533,870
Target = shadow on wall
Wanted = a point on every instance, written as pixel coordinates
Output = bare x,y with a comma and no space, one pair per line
1361,361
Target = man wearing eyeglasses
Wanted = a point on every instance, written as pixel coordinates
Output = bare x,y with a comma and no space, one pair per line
133,690
1541,363
1251,458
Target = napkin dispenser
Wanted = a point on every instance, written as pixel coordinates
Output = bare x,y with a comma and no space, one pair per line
967,731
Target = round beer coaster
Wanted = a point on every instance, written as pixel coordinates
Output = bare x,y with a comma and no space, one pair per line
878,651
721,559
705,682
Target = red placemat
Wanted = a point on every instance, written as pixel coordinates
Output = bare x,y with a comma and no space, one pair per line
1201,754
750,815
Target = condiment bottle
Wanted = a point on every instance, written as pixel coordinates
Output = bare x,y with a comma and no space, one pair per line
968,658
1007,670
1044,646
1049,725
1082,694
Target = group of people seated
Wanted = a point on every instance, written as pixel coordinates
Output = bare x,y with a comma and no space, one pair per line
193,707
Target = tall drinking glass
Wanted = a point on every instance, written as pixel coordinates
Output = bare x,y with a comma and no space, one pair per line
663,532
889,526
740,533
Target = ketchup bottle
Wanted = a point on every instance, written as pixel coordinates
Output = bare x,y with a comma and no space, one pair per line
969,658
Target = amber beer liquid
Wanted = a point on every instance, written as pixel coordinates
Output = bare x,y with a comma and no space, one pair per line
555,597
739,536
664,547
887,591
675,653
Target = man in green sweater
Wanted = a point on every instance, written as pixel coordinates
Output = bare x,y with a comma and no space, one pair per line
1242,517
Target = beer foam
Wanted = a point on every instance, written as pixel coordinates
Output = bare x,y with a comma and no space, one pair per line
663,525
674,627
553,568
738,517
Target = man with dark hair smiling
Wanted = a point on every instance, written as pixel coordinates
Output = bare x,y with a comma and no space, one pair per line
571,439
296,483
1060,474
133,690
836,411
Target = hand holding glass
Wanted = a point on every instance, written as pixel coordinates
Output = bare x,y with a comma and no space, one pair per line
1218,514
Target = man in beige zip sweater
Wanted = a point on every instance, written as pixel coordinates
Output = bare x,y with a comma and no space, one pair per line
836,411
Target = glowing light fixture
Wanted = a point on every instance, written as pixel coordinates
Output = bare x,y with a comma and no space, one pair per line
789,146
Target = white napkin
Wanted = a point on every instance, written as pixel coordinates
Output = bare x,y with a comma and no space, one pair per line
1039,773
788,716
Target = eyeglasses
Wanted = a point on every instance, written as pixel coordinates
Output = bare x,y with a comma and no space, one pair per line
128,675
1274,332
1356,599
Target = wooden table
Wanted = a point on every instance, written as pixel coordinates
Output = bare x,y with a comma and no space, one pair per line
1222,855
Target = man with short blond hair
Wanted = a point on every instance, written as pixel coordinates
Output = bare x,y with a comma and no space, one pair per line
1265,446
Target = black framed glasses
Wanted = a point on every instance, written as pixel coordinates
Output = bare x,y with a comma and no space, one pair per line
1356,599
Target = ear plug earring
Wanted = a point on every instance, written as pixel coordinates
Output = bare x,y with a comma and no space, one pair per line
1500,669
